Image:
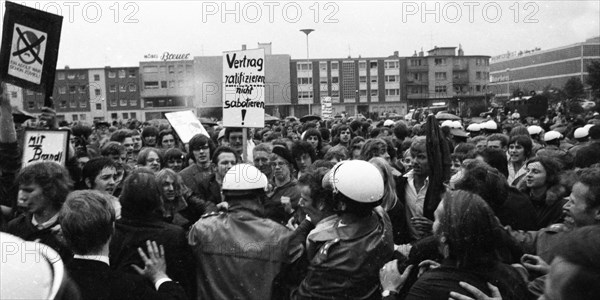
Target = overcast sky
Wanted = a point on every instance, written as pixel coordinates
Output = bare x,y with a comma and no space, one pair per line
97,34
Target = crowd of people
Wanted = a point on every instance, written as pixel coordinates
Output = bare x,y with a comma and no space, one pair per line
320,209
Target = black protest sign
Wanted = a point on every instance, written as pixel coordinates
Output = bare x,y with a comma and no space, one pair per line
29,53
45,145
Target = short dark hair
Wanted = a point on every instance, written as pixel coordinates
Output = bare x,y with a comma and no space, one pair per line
174,153
200,140
163,133
372,147
149,131
140,195
53,178
552,167
499,137
480,178
224,149
112,148
401,130
120,135
301,147
591,178
496,158
86,220
229,130
594,132
581,247
94,166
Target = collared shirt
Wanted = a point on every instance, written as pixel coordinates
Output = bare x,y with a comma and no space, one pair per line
513,175
414,200
52,221
100,258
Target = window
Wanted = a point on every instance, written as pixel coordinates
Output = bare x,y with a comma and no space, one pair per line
122,88
123,102
29,92
373,65
14,94
71,76
61,76
439,61
189,69
180,83
97,92
415,62
304,80
125,116
440,75
374,79
62,89
478,88
148,103
132,115
163,84
362,65
481,62
113,116
82,89
323,66
392,92
63,104
132,102
150,69
478,75
180,68
83,104
162,69
440,88
335,79
172,84
82,117
112,88
81,76
334,65
72,89
305,95
335,94
121,73
392,78
391,64
99,106
363,93
30,104
112,74
132,73
150,84
171,69
132,87
75,118
96,77
373,93
113,102
304,66
323,80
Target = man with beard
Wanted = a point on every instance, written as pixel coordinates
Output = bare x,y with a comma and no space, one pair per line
100,174
201,148
283,200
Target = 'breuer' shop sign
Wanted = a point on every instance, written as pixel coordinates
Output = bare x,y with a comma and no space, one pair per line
168,56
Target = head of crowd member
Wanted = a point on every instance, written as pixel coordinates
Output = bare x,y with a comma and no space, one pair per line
583,206
82,158
151,158
124,137
344,134
263,135
87,222
100,174
498,141
141,195
283,163
457,159
594,133
173,191
167,139
575,269
336,154
136,137
418,152
479,141
303,154
325,135
261,154
586,157
519,148
356,145
480,178
150,136
518,130
374,148
466,229
389,184
202,149
174,159
101,129
115,151
244,182
496,158
406,160
81,134
313,137
43,187
401,131
542,173
235,137
222,160
314,199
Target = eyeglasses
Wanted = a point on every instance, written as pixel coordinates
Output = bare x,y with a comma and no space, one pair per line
278,164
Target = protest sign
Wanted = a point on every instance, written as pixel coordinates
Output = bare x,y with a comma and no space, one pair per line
326,108
185,124
45,145
244,88
29,52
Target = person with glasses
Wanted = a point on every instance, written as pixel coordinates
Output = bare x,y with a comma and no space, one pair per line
283,199
201,150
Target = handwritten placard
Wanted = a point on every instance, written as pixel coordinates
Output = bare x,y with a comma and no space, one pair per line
185,124
45,145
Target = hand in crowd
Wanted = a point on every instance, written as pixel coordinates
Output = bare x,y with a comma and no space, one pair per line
479,295
48,118
427,265
535,263
155,265
390,277
422,225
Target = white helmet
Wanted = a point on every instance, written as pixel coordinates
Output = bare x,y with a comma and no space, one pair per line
534,129
356,179
474,127
581,132
244,177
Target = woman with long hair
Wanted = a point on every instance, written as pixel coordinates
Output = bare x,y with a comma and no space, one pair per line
313,136
519,150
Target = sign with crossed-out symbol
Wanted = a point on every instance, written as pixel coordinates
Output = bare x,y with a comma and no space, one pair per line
27,53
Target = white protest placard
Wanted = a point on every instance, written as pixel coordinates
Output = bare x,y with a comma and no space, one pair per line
244,88
29,47
45,145
186,125
326,108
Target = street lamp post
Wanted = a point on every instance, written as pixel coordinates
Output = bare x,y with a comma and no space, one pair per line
508,83
307,32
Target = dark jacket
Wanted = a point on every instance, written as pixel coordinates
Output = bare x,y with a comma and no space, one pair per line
51,236
345,260
96,280
193,175
517,211
10,164
131,233
239,252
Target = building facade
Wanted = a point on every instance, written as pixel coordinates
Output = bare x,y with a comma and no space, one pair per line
536,70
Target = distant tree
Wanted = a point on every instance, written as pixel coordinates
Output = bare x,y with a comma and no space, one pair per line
555,95
593,78
574,88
